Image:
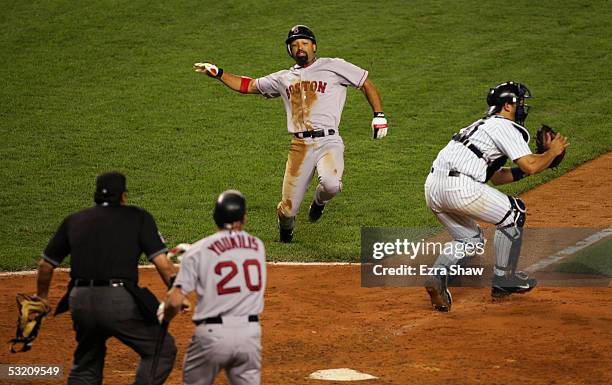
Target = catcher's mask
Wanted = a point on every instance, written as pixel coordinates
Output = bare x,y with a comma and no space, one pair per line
230,208
509,92
299,32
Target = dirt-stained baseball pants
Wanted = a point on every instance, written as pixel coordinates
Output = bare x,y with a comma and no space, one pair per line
234,345
326,156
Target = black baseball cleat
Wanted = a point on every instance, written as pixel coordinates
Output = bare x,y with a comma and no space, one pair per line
441,298
315,212
519,283
286,235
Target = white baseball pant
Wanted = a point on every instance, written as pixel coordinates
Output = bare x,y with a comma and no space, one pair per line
234,345
458,201
326,156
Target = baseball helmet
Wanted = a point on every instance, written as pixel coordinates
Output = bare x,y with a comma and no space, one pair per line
229,208
509,92
299,32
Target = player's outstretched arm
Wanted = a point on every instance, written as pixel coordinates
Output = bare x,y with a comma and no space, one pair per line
535,163
242,84
379,122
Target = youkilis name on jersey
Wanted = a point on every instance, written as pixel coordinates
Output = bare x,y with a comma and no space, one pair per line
237,241
306,85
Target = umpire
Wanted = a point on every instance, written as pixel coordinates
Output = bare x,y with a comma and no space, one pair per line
105,243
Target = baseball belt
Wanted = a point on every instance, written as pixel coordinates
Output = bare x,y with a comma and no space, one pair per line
314,134
219,320
79,282
450,173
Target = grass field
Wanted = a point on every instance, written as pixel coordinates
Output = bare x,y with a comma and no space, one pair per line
94,86
595,259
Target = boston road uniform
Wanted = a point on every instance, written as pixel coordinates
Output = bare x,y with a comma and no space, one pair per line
105,243
313,97
227,270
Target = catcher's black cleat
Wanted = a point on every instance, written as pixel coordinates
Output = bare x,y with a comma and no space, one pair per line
315,212
519,283
286,235
441,298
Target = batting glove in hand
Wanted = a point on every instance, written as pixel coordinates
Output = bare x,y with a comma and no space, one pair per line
175,254
209,69
160,312
379,125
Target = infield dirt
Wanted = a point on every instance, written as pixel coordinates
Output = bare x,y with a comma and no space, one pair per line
318,317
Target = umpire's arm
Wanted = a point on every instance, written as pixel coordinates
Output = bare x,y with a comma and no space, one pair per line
43,279
165,268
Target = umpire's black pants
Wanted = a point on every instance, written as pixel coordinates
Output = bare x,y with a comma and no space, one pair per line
102,312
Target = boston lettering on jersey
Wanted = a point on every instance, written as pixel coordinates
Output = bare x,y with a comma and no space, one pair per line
237,241
312,86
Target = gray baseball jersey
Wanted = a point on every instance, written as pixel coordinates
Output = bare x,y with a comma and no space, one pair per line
495,139
313,96
227,270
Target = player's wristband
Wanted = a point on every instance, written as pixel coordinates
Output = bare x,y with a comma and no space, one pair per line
379,114
244,84
219,73
517,173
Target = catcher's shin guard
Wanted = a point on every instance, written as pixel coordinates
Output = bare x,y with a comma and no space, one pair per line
509,238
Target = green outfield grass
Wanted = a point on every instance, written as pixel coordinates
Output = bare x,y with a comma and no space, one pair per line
94,86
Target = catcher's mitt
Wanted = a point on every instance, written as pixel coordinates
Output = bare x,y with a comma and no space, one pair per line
541,144
32,311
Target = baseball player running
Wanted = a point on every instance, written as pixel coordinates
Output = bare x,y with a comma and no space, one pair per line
313,92
227,270
456,189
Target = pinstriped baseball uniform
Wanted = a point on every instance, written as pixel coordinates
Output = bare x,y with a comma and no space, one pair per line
313,97
456,189
227,270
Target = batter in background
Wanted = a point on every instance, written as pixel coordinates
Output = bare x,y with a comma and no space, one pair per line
313,93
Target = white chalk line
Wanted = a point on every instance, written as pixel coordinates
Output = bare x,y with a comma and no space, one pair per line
586,242
65,269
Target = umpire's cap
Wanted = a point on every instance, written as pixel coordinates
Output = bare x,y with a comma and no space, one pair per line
109,187
299,32
230,208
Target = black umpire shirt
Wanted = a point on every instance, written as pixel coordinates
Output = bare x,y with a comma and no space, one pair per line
105,242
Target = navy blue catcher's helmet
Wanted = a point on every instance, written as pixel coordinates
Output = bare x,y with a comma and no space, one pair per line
509,92
299,32
229,208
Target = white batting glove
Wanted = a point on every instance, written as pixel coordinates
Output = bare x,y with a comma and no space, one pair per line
379,125
209,69
160,312
175,254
